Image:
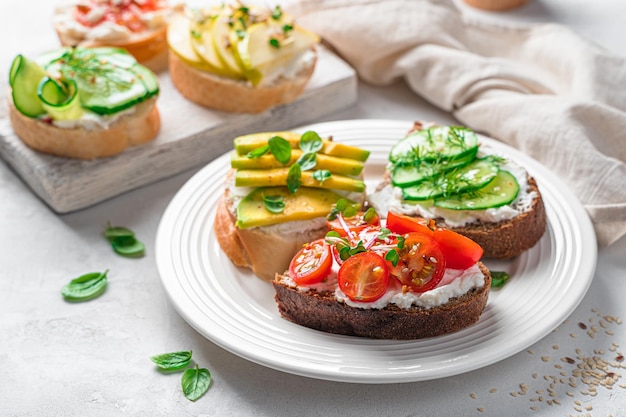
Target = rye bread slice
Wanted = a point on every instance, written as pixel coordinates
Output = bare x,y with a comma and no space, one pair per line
321,311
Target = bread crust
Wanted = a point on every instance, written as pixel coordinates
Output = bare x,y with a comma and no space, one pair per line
258,248
149,48
235,96
136,128
496,4
321,311
510,238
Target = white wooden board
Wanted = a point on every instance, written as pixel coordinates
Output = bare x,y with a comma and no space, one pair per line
190,136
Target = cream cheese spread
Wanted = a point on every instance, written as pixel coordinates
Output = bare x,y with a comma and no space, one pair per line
454,283
390,198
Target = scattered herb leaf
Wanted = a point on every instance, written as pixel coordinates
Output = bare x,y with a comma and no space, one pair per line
277,13
85,287
310,141
499,278
293,178
274,203
321,175
195,382
274,43
172,361
123,241
307,161
280,148
258,152
393,257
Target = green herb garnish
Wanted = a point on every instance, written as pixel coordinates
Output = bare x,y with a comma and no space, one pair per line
307,161
85,287
274,203
195,382
172,361
274,43
321,175
311,142
280,148
258,152
293,178
124,242
499,278
277,13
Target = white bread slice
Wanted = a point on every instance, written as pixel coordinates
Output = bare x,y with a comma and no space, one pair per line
262,249
135,128
149,47
320,310
235,96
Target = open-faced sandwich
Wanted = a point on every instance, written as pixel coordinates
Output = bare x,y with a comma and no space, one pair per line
83,102
278,193
138,26
444,173
407,280
240,58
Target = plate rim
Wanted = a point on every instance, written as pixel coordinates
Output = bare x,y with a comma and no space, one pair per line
190,314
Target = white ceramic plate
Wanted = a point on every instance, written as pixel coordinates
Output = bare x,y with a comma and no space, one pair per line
236,310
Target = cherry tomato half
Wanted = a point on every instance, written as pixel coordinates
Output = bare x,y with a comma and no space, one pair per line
460,252
364,277
312,263
420,263
355,223
402,224
126,13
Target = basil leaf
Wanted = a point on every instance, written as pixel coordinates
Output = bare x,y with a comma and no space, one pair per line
195,382
321,175
172,361
117,232
280,148
129,248
85,287
258,152
499,278
307,161
293,178
311,142
274,203
123,242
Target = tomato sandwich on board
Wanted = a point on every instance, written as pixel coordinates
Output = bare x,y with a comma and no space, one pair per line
83,103
406,280
278,192
138,26
240,58
445,174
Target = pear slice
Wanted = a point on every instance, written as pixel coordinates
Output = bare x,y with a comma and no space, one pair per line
257,51
179,38
221,36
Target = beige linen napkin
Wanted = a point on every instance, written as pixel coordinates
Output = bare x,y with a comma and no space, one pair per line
540,88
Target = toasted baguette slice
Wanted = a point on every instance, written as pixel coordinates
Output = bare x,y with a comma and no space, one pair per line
262,249
320,310
136,128
497,5
148,45
235,96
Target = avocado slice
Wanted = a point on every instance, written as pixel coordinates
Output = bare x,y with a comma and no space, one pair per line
278,176
341,166
306,204
247,143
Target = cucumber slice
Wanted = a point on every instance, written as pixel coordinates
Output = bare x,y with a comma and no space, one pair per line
24,77
435,143
408,175
469,177
147,77
502,190
60,102
105,77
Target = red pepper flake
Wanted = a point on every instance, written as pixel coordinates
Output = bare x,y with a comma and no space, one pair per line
582,325
620,358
